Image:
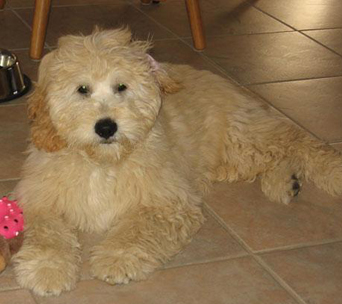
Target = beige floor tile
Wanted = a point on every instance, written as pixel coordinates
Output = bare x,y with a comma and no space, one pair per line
331,38
82,19
219,18
18,101
305,14
16,297
211,243
13,140
314,104
240,281
13,33
314,273
177,52
313,217
272,57
6,187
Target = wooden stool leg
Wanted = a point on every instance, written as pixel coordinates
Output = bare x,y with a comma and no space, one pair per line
195,20
2,4
40,21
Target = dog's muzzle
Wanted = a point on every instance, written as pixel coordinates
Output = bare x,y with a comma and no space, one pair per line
106,128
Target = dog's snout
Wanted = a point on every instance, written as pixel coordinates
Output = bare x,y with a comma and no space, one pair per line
105,128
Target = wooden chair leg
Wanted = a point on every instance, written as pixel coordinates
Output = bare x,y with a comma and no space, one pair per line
194,14
2,4
40,21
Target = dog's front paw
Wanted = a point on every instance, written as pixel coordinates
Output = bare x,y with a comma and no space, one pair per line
116,266
45,277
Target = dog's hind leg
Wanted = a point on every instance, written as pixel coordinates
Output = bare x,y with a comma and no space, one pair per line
322,165
282,154
305,158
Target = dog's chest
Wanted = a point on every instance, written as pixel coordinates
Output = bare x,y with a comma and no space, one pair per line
92,203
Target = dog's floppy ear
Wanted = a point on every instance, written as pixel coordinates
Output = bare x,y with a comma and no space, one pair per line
167,84
43,133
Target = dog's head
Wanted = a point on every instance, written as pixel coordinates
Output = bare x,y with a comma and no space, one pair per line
100,93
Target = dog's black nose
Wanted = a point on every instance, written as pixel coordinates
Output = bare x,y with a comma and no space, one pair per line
106,128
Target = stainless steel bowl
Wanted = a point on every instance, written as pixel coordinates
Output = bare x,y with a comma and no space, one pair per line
13,83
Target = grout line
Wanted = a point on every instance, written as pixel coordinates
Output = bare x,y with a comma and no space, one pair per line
289,80
320,29
19,49
13,179
298,246
20,7
280,280
320,43
257,258
243,34
7,104
209,261
22,20
13,288
228,229
273,17
300,31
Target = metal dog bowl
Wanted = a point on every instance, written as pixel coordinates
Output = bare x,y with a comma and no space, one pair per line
13,83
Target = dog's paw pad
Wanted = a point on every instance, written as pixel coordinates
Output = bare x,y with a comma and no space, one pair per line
296,185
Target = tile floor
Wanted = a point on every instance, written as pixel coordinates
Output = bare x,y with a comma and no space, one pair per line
289,53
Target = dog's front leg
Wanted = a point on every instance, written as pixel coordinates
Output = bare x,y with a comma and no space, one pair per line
49,260
143,242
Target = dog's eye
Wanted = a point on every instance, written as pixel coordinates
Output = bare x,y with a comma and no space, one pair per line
83,89
121,87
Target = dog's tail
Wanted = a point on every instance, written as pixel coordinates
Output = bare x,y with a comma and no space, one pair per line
321,164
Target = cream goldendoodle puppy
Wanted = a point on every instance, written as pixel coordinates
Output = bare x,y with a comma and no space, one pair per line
126,146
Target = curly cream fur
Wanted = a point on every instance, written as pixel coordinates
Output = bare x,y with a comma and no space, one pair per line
179,130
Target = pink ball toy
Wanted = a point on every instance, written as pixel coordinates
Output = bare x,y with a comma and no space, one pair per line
11,218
